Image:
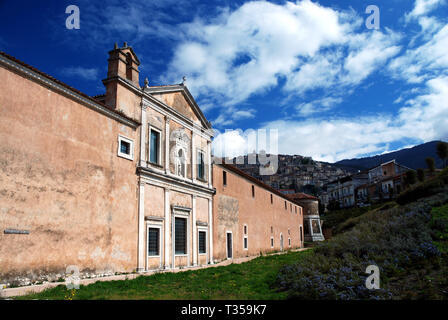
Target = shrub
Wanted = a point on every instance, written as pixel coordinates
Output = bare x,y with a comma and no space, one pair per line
397,240
425,189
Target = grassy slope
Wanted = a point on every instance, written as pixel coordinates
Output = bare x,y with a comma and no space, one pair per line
385,236
250,280
408,242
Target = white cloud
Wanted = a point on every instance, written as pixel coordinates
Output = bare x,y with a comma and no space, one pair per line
425,61
231,143
422,7
231,115
424,118
317,106
243,52
81,72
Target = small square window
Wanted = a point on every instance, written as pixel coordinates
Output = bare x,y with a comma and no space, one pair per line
125,148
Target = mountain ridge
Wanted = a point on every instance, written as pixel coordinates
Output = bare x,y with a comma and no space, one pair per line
413,157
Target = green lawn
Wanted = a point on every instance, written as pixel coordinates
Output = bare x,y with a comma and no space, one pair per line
250,280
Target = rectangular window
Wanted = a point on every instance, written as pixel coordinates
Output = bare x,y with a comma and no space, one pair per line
289,241
229,246
253,192
125,148
245,243
224,178
202,242
272,200
154,147
286,207
153,241
272,242
245,229
201,165
180,236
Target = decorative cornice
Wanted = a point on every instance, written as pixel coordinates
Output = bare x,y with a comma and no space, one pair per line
169,179
154,218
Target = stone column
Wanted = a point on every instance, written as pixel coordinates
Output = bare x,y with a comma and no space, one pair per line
194,233
167,144
167,229
210,228
141,227
143,129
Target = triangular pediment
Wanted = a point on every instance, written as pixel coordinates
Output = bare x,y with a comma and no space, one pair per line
180,99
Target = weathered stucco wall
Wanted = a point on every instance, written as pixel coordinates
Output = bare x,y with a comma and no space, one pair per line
235,207
61,180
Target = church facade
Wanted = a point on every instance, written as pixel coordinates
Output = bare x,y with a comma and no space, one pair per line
119,182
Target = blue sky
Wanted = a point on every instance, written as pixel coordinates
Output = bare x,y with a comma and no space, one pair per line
312,70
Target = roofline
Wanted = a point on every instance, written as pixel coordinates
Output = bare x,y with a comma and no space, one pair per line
32,73
307,196
387,162
256,181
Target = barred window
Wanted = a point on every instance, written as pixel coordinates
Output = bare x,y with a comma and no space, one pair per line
153,241
202,242
180,238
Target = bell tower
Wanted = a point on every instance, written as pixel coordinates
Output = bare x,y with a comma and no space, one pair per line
122,75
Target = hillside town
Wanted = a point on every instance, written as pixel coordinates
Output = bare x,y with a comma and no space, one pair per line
336,187
295,172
